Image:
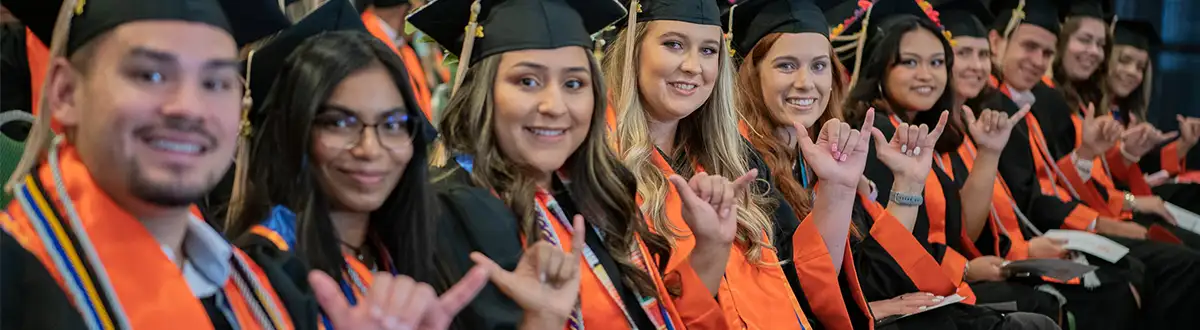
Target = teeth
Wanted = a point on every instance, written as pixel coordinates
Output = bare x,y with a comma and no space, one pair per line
686,87
802,102
176,146
549,132
924,89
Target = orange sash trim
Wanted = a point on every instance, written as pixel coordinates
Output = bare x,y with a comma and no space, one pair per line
149,286
38,56
416,73
922,269
819,279
1171,162
749,294
1130,174
1081,217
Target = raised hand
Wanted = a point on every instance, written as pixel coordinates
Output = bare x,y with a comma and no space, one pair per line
991,129
710,204
546,280
1043,247
1189,133
396,302
910,152
1140,139
904,304
840,152
1099,133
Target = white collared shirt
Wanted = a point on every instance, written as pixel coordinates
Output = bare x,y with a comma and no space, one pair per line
391,33
208,266
1021,98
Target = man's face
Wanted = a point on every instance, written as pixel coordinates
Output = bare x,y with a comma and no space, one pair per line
1025,56
154,113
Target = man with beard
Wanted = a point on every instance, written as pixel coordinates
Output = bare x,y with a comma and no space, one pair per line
148,96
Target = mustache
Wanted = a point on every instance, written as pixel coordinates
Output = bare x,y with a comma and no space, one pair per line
180,124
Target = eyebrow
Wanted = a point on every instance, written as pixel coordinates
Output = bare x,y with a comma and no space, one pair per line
337,108
919,55
166,57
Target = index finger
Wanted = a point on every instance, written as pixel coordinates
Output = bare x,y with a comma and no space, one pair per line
1016,117
578,235
459,295
941,126
869,120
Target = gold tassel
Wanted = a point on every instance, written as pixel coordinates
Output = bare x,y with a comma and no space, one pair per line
464,57
862,43
241,163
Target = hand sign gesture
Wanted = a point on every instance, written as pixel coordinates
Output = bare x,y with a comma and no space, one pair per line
396,302
710,204
1189,133
1099,133
991,129
546,281
910,152
840,153
1139,139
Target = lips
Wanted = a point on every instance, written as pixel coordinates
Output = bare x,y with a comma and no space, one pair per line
176,143
685,88
365,177
923,90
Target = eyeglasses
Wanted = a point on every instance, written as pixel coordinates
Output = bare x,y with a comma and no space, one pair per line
336,129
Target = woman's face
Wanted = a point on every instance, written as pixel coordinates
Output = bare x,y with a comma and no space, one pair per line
678,67
1085,49
1127,69
797,76
918,78
361,141
544,102
972,65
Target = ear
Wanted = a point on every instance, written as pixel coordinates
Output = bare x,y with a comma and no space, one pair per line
62,83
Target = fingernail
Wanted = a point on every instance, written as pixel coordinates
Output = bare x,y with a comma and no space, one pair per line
376,311
837,155
938,299
904,148
843,158
834,149
542,277
725,213
922,308
917,151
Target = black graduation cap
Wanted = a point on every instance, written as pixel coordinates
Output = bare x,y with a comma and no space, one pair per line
871,23
253,20
95,17
1042,13
389,3
754,19
508,25
965,17
1098,9
1139,34
704,12
265,63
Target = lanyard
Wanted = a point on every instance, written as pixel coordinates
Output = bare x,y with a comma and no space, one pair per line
654,311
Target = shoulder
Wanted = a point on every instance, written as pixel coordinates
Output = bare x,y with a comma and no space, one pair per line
277,230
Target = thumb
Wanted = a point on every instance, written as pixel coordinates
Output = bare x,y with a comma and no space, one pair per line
968,114
329,295
1089,112
880,141
686,194
1016,117
463,292
744,181
802,137
1168,135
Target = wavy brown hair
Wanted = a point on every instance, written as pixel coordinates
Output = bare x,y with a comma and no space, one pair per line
602,187
764,123
1094,89
709,135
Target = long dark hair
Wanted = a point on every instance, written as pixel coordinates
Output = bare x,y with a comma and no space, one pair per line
279,172
1094,89
883,51
1136,103
602,187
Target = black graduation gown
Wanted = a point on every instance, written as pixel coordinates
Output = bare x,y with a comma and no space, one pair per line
786,224
1172,272
15,96
29,296
472,219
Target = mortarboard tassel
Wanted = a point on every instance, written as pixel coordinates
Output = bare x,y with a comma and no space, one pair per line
858,52
241,164
473,30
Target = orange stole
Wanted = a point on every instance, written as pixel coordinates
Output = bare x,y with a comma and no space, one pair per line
749,294
361,269
149,286
416,73
1079,218
38,56
1002,205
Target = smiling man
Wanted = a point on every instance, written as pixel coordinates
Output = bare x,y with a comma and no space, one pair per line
1034,167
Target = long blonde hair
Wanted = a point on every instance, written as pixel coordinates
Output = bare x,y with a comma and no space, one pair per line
720,150
603,188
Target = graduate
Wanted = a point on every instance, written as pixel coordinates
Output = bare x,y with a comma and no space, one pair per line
147,95
777,75
1130,72
533,187
354,200
1106,301
675,127
1031,167
385,20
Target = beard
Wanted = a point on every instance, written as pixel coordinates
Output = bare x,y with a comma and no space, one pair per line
177,193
